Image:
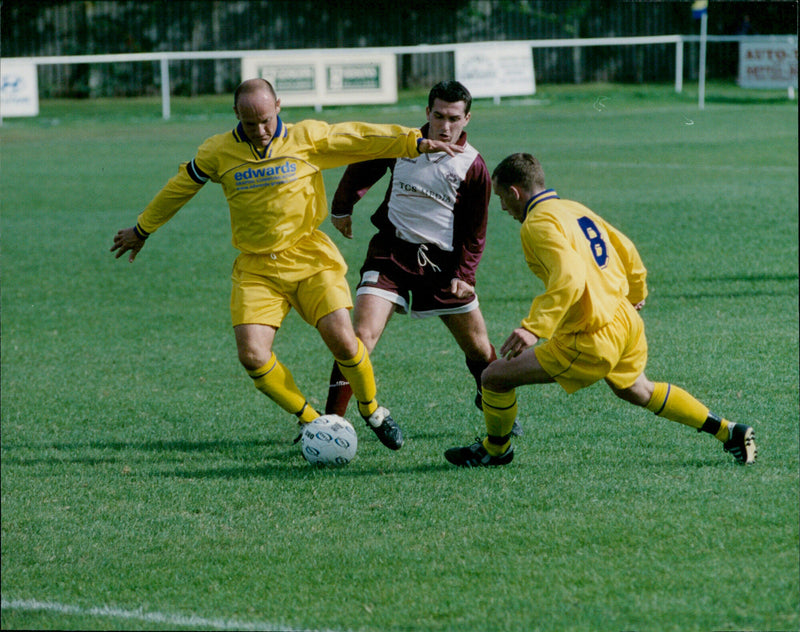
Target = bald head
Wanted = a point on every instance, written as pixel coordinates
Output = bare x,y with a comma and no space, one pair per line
250,87
257,107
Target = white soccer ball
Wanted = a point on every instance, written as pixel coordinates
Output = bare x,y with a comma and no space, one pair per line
329,440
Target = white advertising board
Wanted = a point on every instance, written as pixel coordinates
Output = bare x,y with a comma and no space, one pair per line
308,79
496,70
20,89
768,64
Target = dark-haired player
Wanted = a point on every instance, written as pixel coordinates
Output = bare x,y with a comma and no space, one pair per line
431,234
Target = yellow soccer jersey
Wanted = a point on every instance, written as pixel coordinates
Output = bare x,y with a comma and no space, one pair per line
276,194
587,267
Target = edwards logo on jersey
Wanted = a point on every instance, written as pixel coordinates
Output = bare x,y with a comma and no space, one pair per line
271,175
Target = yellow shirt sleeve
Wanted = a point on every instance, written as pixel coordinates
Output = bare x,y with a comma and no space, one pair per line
277,198
634,266
551,257
339,144
173,196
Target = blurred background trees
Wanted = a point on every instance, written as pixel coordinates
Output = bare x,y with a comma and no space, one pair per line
49,27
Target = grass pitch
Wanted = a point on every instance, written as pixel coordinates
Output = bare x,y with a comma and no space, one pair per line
147,485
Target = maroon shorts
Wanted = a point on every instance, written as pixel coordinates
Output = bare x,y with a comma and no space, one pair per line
415,277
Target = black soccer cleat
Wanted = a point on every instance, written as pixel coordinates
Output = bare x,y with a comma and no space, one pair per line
385,428
475,455
300,426
742,444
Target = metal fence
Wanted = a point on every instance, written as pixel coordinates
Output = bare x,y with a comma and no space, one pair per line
46,28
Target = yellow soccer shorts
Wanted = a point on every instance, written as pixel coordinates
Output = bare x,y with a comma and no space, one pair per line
309,277
616,352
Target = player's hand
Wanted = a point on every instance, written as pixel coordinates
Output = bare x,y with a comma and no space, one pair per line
344,225
461,289
519,340
126,240
428,146
638,306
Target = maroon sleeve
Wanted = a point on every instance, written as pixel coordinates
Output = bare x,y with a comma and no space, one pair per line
471,213
358,178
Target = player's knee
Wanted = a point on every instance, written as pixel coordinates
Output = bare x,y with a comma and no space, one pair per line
368,336
626,395
494,380
251,358
342,347
475,351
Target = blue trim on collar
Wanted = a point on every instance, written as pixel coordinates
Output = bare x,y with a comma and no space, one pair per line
280,130
238,132
547,194
241,137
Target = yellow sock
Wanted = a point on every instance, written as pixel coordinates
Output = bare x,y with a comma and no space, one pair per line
499,412
673,403
358,371
276,382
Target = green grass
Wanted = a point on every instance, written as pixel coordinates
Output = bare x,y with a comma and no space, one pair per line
142,473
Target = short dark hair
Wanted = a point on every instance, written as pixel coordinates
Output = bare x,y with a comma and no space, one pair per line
450,92
249,86
520,169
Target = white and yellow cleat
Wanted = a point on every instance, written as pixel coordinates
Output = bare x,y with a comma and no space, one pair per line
742,444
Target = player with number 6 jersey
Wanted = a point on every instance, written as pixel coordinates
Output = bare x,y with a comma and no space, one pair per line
588,316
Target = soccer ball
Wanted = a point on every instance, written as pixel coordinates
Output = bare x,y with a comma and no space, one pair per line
329,440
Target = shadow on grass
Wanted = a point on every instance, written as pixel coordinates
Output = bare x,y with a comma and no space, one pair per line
76,452
254,458
277,458
292,468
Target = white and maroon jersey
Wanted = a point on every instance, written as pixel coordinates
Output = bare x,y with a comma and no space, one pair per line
435,199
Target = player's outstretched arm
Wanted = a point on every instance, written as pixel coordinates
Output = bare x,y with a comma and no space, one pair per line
126,240
428,146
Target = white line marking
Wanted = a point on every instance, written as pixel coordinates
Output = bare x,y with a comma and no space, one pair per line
190,621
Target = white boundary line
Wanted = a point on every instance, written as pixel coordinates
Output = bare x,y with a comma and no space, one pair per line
189,621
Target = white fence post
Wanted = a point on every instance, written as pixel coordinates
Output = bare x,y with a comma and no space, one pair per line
701,81
165,110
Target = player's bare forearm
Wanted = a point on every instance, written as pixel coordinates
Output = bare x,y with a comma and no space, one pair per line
519,340
126,240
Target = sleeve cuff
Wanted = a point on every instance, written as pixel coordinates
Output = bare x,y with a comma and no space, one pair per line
140,232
